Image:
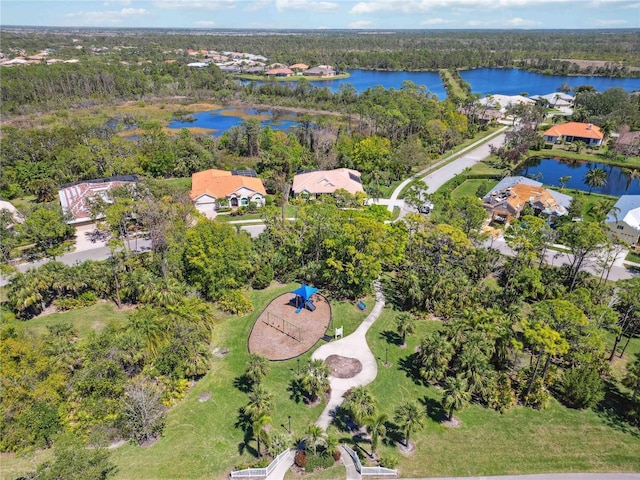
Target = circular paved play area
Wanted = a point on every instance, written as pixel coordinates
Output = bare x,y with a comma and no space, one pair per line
280,333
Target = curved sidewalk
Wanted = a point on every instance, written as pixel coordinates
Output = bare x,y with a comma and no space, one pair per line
352,346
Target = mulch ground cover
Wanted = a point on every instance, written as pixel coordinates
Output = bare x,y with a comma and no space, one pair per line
274,330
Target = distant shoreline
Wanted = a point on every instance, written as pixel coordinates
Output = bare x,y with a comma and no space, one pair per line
292,78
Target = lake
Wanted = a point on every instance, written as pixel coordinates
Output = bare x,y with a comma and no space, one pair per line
549,171
223,119
488,81
361,80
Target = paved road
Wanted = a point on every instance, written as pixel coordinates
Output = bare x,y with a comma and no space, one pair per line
441,176
555,258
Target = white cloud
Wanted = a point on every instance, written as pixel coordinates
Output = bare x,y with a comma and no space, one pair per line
195,5
521,22
256,5
632,5
610,23
434,21
108,17
117,2
205,23
413,6
360,24
308,5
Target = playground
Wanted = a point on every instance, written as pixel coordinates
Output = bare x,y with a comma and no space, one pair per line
285,330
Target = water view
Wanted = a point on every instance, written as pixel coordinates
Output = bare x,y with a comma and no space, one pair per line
361,80
223,119
512,81
550,170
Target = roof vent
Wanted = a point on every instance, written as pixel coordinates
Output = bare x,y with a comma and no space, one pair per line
589,127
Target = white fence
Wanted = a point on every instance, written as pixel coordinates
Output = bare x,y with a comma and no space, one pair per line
380,471
260,472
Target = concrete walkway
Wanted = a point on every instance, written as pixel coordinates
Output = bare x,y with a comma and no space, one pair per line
352,346
285,464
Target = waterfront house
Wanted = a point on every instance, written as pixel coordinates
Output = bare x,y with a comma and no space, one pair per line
509,197
502,103
299,67
623,220
557,100
320,71
279,72
313,183
214,189
571,132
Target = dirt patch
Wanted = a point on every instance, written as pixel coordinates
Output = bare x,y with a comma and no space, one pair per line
204,396
280,333
407,449
343,367
453,423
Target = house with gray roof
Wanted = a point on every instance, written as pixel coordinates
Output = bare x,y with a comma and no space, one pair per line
623,220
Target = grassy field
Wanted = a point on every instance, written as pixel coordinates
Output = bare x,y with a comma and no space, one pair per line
83,320
469,187
201,440
521,441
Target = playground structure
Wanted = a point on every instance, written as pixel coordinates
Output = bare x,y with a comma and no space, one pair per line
279,333
303,298
288,328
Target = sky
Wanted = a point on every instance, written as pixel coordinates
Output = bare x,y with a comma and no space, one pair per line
324,14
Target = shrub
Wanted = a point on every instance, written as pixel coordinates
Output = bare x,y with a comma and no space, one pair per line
319,461
86,299
235,302
389,461
301,459
263,277
582,387
262,463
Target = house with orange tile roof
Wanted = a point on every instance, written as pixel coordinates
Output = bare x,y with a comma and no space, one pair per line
279,72
575,131
313,183
299,67
509,197
213,189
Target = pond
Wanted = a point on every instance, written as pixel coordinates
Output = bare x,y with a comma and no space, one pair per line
550,170
511,81
223,119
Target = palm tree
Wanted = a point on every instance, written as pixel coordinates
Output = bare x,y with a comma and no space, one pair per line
631,175
360,403
315,379
434,356
405,325
410,418
564,180
315,435
596,177
260,431
256,368
456,394
260,402
376,427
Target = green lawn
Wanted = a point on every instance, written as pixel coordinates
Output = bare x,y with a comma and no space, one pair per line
488,166
201,441
470,187
183,183
84,320
633,257
521,441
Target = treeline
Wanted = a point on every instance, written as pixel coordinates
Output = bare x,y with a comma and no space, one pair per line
94,82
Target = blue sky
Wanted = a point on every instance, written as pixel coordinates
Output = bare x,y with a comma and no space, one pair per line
365,14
